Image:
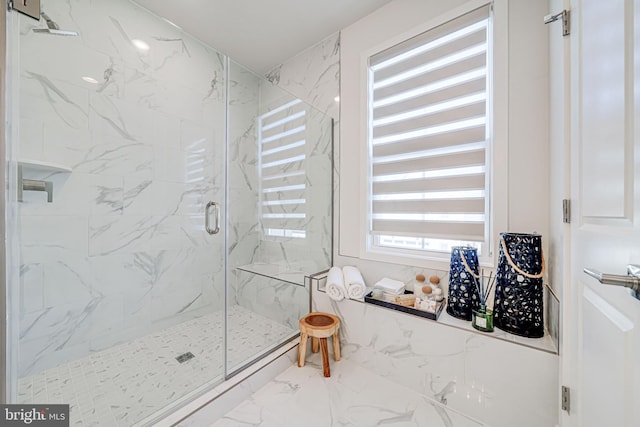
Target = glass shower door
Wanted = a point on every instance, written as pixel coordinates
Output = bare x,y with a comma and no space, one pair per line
279,213
121,288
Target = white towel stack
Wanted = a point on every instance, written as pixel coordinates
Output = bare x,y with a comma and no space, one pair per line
354,282
390,286
335,284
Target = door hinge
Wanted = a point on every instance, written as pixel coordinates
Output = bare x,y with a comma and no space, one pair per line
566,398
565,16
566,211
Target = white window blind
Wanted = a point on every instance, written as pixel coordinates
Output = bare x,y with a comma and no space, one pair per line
429,136
282,155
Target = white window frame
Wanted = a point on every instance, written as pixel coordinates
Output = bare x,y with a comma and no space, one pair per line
497,152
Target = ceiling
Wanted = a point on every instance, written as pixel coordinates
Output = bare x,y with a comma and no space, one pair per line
261,34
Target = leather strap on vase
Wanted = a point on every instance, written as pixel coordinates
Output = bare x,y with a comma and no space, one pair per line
516,268
466,266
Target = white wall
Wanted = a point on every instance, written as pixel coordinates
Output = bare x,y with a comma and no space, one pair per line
528,118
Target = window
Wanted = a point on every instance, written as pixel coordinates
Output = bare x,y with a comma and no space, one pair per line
429,139
281,141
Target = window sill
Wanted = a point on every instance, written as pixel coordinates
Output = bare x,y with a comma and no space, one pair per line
546,343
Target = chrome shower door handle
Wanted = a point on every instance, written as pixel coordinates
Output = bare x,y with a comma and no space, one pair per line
207,218
631,280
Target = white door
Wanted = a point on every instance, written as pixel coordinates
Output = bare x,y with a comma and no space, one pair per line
601,334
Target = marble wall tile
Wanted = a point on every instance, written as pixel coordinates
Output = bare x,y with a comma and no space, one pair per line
313,248
32,283
106,194
138,193
31,138
166,129
243,232
50,99
122,118
53,232
313,75
277,300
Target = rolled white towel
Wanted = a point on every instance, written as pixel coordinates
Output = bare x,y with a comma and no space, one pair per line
391,286
354,282
335,284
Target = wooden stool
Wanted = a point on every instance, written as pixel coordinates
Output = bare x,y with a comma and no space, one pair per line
319,326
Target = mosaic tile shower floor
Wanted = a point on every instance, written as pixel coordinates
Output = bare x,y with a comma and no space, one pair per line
130,381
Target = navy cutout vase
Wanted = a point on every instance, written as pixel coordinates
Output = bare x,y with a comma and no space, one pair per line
518,306
463,295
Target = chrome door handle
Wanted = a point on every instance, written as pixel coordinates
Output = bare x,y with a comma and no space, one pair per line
207,218
631,280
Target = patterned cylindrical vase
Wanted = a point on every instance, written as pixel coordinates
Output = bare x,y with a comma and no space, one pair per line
518,306
463,295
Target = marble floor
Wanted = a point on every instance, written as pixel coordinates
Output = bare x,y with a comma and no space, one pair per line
130,381
353,396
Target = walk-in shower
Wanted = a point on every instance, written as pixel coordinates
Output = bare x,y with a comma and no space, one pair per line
121,302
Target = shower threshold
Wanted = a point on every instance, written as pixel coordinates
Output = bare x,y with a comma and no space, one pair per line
132,381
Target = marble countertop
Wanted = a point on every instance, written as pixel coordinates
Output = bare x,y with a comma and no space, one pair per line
546,343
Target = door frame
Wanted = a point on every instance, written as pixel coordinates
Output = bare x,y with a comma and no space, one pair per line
4,365
571,308
564,116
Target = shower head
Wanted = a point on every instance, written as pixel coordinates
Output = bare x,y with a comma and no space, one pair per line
53,28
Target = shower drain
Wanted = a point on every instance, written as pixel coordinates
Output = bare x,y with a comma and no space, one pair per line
184,357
